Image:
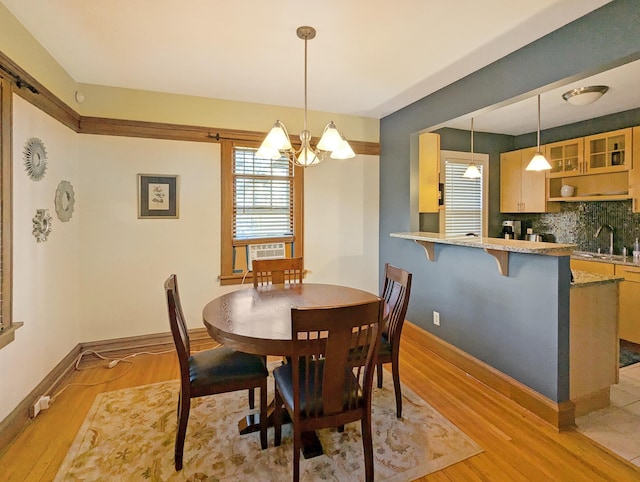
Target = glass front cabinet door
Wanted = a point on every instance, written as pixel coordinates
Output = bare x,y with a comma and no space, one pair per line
608,152
566,158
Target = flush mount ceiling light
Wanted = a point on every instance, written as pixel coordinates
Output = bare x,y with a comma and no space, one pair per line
538,162
278,144
585,95
472,171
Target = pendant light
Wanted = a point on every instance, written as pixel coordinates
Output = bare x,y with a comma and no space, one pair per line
472,171
278,144
538,162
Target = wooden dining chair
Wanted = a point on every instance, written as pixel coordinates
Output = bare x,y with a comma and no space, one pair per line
395,292
277,271
209,372
329,381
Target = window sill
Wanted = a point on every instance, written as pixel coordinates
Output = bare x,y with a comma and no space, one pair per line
8,334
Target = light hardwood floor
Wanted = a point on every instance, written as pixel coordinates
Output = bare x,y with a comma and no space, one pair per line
517,445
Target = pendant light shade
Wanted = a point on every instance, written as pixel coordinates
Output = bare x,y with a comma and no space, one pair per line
538,162
472,171
277,143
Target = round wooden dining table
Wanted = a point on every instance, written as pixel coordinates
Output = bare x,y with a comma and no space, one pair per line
258,321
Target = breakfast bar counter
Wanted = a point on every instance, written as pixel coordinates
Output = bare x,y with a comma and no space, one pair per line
497,247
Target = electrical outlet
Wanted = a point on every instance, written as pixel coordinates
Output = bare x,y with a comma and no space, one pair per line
41,404
436,318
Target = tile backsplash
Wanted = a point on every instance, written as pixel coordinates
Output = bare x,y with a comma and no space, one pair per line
577,222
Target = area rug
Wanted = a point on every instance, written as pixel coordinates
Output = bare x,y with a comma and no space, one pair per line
129,435
629,353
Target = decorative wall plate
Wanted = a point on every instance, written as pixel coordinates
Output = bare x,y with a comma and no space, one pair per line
41,225
35,158
65,201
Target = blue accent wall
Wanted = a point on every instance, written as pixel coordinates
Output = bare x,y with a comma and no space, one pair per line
511,319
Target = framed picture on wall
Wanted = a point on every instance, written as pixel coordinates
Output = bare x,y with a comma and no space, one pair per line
157,196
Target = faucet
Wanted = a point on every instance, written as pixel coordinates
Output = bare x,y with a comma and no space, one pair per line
610,236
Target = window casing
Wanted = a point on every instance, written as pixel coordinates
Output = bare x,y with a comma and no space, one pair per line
7,326
465,200
261,203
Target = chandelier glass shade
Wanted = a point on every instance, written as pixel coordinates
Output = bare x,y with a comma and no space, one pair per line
538,161
332,143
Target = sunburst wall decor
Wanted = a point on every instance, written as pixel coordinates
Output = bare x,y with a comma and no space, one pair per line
65,201
42,225
35,158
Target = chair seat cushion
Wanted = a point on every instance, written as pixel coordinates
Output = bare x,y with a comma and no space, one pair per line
311,401
219,365
385,347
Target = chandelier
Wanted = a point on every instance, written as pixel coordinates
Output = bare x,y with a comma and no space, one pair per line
277,143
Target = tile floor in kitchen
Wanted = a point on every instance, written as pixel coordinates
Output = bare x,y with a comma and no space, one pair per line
617,426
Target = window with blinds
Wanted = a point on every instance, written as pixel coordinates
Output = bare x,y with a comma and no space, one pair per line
462,200
262,196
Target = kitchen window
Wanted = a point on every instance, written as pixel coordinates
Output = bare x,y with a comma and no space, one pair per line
465,200
261,204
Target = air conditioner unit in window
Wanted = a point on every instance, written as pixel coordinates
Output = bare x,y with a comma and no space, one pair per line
265,251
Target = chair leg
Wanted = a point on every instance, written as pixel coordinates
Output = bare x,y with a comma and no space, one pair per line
263,414
297,447
277,419
340,428
396,385
367,445
252,395
184,405
379,373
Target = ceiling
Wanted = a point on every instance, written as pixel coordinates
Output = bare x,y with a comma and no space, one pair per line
369,58
522,117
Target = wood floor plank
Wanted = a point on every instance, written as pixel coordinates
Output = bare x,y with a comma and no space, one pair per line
517,445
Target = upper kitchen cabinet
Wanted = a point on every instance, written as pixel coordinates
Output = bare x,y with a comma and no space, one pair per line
566,158
608,152
634,172
429,173
521,191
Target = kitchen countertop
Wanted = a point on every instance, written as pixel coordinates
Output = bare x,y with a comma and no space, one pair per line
584,278
497,244
605,258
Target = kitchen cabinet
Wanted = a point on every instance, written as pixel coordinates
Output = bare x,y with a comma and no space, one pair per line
429,172
593,266
521,191
566,158
634,172
593,343
629,302
608,152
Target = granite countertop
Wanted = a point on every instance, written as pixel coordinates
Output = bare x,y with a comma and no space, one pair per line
584,278
498,244
605,258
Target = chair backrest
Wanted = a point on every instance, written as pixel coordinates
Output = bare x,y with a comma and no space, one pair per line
395,292
277,271
340,344
178,327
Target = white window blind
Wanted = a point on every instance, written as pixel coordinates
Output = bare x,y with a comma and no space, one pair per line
462,200
262,196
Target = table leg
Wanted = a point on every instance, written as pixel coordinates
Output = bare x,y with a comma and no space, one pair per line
311,446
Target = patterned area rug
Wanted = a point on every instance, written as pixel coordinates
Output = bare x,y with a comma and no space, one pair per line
629,353
129,435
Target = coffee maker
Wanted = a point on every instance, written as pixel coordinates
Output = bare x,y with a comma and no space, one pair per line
512,229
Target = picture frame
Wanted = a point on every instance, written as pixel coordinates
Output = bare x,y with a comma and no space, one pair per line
158,196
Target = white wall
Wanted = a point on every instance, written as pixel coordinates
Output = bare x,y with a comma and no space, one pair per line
341,222
101,275
45,275
125,260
